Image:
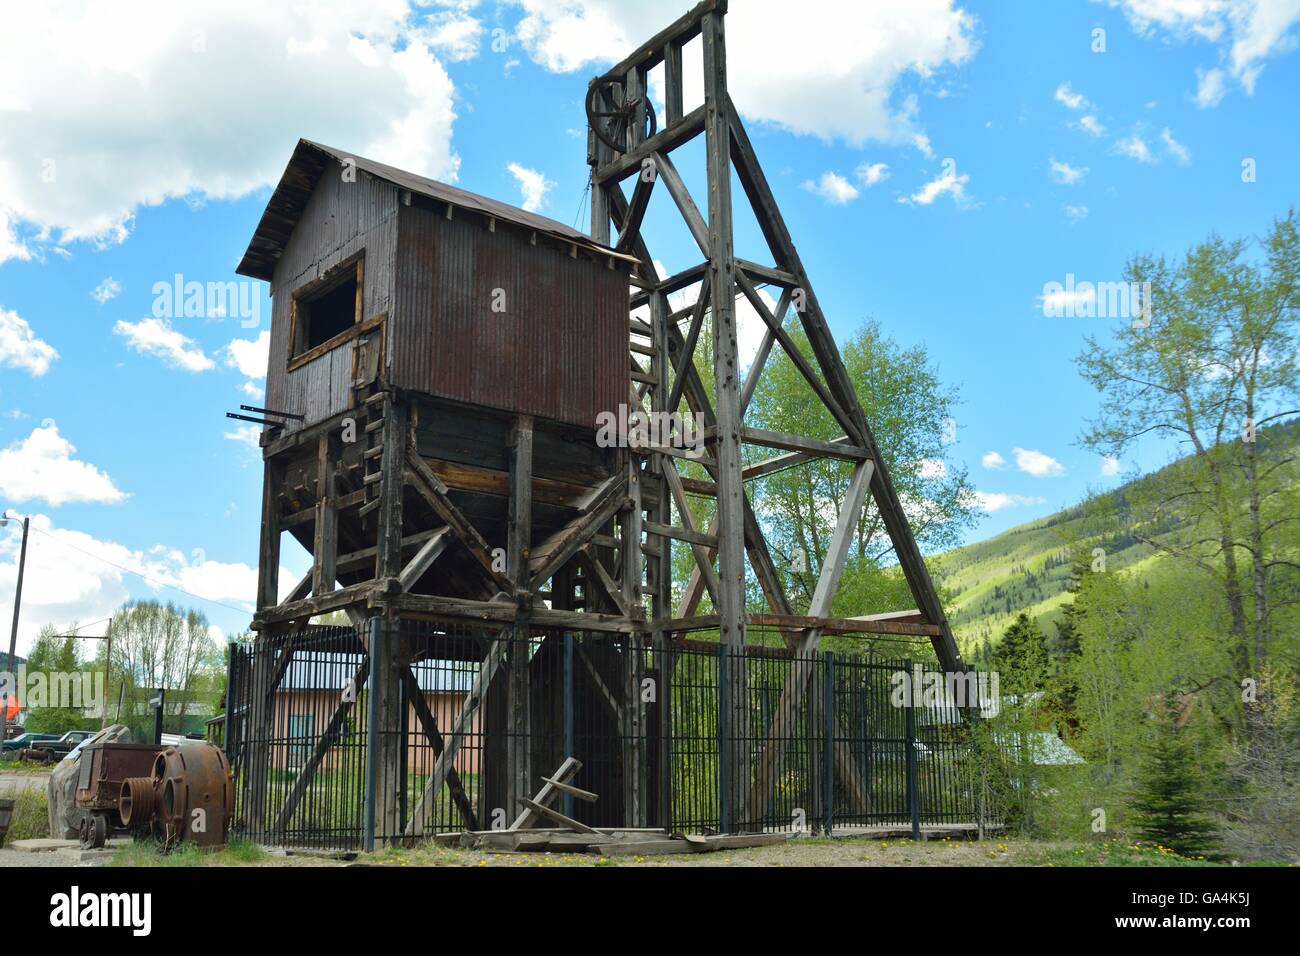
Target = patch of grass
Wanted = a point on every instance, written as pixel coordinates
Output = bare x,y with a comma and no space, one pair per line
148,852
1115,852
31,817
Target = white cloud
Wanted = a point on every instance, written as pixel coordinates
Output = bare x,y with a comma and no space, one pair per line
533,186
922,143
1245,33
1066,174
250,356
948,183
106,290
249,435
991,501
1075,213
73,577
156,337
1210,88
835,79
106,113
253,390
1176,149
1068,301
1069,98
993,461
455,33
1109,465
41,467
833,187
871,173
1037,464
1091,125
19,346
1135,147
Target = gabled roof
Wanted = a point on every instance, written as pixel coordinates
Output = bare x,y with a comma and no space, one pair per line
309,161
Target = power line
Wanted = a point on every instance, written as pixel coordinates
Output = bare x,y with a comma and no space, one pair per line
143,577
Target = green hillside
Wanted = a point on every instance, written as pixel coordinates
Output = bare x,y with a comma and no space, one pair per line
1027,568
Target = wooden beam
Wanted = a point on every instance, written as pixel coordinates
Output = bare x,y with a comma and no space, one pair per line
429,724
444,763
801,668
664,141
754,182
551,554
424,558
434,492
810,446
324,742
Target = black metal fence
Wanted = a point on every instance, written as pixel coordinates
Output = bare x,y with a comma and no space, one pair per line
692,737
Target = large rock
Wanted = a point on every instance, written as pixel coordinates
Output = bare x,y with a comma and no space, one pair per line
64,815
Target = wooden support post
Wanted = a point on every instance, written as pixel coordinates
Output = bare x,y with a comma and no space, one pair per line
325,545
633,729
519,540
726,369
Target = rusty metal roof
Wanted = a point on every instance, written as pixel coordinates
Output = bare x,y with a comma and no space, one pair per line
310,159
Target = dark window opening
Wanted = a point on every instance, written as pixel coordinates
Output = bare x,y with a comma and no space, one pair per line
331,314
325,310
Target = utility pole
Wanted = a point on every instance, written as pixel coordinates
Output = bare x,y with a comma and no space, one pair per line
13,632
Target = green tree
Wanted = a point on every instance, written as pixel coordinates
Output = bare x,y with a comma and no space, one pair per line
1168,800
1213,361
910,412
1021,657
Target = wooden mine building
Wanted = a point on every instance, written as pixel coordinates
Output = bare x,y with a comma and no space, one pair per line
438,364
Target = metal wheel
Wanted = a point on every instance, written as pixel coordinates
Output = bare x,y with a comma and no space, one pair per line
92,831
610,117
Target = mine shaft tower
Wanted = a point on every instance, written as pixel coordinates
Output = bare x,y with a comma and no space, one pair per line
438,365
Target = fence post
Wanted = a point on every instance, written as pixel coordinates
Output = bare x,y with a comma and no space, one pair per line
569,743
665,733
231,650
372,731
913,798
828,741
724,750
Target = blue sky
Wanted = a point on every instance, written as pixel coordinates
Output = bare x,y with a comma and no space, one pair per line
938,163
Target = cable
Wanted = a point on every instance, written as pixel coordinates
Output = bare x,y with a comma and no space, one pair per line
143,577
582,200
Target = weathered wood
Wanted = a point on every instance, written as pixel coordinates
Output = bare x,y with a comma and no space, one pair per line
566,772
803,664
557,816
519,539
424,558
445,761
429,724
324,742
810,446
548,557
433,491
770,221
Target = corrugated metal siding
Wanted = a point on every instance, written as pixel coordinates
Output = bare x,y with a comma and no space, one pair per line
558,351
340,219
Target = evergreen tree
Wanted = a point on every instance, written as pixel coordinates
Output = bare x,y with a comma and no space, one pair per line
1021,657
1167,796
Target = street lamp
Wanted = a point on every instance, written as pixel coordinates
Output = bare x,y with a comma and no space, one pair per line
13,632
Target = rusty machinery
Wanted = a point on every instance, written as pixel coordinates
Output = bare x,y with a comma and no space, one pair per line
173,793
188,796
